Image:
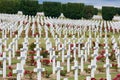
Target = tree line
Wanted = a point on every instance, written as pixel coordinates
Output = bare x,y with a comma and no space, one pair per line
54,9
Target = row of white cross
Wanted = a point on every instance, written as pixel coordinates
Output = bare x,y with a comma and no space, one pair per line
73,29
53,56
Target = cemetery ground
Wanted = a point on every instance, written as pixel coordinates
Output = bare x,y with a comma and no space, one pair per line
43,48
47,74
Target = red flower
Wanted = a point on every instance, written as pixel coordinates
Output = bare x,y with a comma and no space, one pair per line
26,72
18,51
32,57
51,60
71,51
71,45
10,67
118,75
3,46
31,52
76,45
60,45
102,52
46,62
46,51
1,54
48,25
31,24
93,79
35,63
36,34
103,45
100,57
10,74
0,63
113,50
114,65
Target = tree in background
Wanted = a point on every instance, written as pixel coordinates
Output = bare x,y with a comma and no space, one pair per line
88,12
29,7
40,8
9,6
117,9
95,11
73,10
108,12
52,9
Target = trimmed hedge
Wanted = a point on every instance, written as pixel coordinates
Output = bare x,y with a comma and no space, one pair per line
73,10
88,12
108,13
52,9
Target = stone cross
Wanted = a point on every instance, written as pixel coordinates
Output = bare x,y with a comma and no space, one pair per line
51,53
65,40
53,61
13,49
1,46
69,42
63,51
39,70
58,68
107,66
93,67
85,49
82,56
106,53
118,57
4,59
68,60
5,41
73,38
38,57
76,67
16,43
19,70
94,55
74,51
9,54
22,57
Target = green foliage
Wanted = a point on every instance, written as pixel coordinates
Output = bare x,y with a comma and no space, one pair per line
73,10
29,7
88,12
20,46
48,73
9,6
95,11
32,46
117,10
63,73
108,13
99,11
44,54
52,9
40,8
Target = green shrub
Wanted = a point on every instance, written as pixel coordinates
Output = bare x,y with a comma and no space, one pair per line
88,12
108,13
32,46
73,10
52,9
